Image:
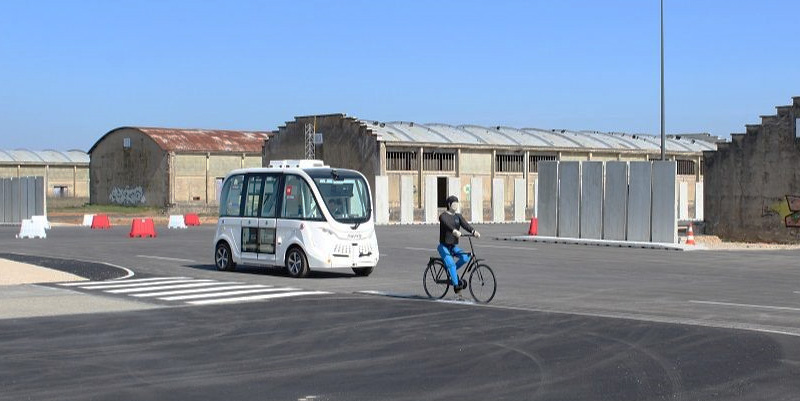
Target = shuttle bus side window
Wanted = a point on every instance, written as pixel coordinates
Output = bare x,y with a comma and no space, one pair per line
298,200
255,182
230,204
269,200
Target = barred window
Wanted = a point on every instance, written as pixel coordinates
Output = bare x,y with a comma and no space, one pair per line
535,159
686,167
509,163
439,161
401,160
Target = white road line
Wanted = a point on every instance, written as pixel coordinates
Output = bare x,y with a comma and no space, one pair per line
746,305
196,283
227,293
129,285
420,249
256,297
78,283
198,290
166,258
507,247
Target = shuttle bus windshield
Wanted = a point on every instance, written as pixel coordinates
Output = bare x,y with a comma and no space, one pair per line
345,195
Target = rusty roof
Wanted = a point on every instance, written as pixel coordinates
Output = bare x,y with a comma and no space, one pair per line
201,140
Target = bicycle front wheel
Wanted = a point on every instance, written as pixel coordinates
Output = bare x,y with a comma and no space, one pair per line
482,284
435,280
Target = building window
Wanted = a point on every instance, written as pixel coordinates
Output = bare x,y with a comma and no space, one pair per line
509,163
439,161
60,191
535,159
686,167
401,160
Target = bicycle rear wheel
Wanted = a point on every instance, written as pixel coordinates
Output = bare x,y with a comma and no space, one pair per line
435,280
482,284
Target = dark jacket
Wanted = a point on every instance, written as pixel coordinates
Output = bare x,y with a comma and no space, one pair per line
449,222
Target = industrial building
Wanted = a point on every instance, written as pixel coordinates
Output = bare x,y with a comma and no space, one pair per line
754,181
500,157
167,167
66,174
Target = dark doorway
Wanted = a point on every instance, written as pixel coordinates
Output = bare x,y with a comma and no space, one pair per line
441,186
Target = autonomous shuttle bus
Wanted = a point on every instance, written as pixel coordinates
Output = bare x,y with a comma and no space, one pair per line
299,214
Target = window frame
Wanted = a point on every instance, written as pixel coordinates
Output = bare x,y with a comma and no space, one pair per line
223,202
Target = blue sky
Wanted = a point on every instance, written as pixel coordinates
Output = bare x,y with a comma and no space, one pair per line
72,70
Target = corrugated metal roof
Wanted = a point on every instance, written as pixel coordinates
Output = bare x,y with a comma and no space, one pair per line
41,157
201,140
529,137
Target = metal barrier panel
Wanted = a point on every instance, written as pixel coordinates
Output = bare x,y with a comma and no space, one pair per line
547,199
15,201
639,191
592,200
406,199
431,195
665,199
2,200
569,199
615,201
30,196
536,198
519,199
40,208
476,199
698,202
7,203
381,199
498,200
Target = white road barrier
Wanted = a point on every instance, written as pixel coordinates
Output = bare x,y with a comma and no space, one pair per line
31,229
176,221
41,220
87,220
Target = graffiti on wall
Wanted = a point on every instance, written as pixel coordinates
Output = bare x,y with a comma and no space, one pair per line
127,196
788,210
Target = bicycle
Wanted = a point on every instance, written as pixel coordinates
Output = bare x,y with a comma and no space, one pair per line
482,285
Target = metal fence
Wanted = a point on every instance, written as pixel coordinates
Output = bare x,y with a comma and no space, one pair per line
21,198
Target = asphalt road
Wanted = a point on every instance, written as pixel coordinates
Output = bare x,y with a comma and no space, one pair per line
569,322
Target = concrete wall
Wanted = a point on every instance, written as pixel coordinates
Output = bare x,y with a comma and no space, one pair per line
753,182
72,176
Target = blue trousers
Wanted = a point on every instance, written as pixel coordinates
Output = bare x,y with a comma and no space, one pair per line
448,253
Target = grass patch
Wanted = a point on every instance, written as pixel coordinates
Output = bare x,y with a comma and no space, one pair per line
107,209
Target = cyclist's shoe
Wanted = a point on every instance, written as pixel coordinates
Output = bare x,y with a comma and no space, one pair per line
461,285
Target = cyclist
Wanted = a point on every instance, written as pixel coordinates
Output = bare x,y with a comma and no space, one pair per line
449,224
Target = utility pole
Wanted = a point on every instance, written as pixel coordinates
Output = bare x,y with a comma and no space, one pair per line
663,135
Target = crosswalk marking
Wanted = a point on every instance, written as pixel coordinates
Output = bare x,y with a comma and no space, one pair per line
190,291
256,297
197,290
229,293
197,283
136,280
151,283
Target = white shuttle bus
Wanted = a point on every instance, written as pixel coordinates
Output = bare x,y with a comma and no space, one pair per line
299,214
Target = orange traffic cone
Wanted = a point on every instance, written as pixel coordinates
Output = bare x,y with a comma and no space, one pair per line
690,236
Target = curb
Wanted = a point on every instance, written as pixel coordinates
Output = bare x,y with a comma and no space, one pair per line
93,271
600,242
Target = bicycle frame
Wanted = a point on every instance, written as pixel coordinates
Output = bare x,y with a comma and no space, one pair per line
473,261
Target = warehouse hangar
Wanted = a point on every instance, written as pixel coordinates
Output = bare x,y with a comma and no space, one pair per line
66,174
168,167
406,149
